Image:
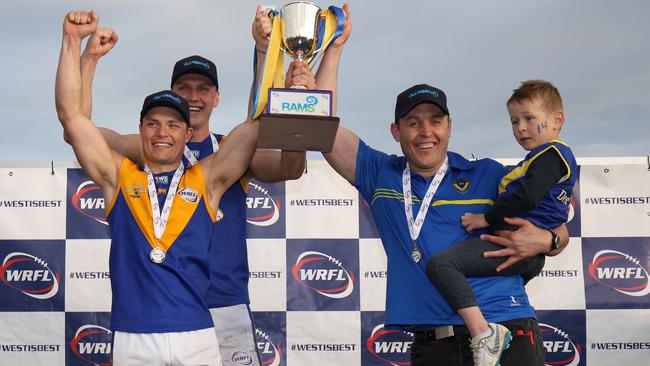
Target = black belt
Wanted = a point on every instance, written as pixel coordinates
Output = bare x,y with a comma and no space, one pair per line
437,333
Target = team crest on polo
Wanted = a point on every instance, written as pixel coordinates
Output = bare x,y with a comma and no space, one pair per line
461,185
382,346
367,228
270,328
88,339
616,272
564,335
30,275
265,210
85,210
323,274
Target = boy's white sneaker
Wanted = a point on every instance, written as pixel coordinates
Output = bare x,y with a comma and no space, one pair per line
487,347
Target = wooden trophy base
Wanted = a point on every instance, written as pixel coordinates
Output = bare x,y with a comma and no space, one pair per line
292,132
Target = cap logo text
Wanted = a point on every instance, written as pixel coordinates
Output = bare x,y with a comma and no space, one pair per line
424,91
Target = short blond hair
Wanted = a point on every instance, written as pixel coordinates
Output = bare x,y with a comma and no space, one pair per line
542,89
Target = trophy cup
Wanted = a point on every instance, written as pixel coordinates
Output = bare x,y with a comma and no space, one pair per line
298,119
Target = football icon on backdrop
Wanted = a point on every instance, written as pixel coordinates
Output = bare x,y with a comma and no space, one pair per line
89,341
382,346
259,199
85,211
390,345
619,271
89,201
92,344
323,274
616,272
325,268
560,347
29,275
32,275
564,333
265,211
270,337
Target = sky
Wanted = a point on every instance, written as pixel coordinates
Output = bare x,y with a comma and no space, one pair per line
596,52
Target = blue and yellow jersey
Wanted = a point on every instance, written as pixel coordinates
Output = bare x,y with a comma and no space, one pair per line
165,297
554,208
411,299
228,255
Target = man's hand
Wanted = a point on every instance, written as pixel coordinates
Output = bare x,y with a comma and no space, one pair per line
100,43
473,222
262,26
527,241
347,28
299,74
80,24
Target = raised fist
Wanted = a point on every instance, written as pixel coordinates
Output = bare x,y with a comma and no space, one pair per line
80,23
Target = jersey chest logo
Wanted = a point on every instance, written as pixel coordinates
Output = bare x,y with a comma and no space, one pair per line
461,185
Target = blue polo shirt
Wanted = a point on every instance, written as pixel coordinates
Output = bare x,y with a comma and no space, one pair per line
468,186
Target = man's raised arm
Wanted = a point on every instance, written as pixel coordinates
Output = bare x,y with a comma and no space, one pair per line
223,168
99,44
343,156
92,152
272,165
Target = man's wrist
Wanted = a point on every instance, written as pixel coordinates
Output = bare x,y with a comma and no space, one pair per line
90,57
555,242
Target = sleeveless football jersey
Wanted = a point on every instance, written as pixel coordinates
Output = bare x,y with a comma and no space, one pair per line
168,296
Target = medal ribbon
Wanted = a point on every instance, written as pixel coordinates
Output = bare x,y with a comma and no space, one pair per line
273,69
416,225
191,159
160,220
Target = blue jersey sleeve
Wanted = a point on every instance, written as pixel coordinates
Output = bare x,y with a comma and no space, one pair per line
369,163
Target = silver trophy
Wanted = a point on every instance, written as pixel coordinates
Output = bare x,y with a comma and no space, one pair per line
300,120
300,29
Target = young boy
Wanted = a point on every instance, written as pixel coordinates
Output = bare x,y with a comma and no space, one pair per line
538,189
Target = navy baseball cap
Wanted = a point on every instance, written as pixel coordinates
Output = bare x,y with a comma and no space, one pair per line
416,95
169,99
195,65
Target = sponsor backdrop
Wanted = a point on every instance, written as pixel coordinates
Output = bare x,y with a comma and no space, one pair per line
318,272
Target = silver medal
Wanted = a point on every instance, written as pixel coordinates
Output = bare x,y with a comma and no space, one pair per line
416,255
415,225
157,255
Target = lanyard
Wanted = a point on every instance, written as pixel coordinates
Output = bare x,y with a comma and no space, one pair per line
416,225
157,254
190,156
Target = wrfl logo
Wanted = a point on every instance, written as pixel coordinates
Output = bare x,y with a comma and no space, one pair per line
309,106
269,352
92,344
29,275
620,272
389,345
324,274
560,348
